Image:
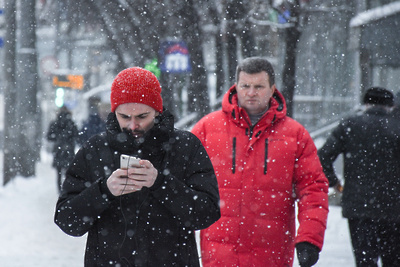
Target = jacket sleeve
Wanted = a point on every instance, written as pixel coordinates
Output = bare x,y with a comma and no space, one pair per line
329,152
311,189
82,200
194,200
51,133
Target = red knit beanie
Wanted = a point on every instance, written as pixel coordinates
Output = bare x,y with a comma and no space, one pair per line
136,85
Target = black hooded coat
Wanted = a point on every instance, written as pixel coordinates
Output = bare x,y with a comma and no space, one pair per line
151,227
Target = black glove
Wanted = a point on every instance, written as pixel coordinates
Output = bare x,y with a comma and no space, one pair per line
307,254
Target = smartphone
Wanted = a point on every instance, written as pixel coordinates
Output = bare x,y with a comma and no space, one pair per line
129,162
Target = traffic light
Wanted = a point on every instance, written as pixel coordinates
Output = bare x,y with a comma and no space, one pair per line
59,97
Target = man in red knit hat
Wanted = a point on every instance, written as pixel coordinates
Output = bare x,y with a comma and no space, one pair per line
144,214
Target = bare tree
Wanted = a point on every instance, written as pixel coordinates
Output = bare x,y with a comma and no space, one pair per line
29,123
10,96
22,124
236,33
292,36
198,90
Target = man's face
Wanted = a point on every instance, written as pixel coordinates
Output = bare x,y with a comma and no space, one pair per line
254,91
135,118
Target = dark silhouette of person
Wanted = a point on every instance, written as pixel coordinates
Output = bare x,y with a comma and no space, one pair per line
94,124
370,144
64,133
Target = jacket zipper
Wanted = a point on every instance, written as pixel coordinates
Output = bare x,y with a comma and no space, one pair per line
234,155
249,132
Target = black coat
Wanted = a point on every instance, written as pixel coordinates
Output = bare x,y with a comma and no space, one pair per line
370,144
64,133
93,125
151,227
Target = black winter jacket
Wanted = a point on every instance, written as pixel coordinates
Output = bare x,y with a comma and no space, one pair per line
151,227
370,144
64,133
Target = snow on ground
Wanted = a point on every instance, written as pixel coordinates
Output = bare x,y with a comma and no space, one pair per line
29,237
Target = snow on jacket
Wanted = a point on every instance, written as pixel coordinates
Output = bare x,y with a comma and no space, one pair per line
370,143
154,226
261,172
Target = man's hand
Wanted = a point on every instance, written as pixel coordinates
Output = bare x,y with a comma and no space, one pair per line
339,187
307,254
125,181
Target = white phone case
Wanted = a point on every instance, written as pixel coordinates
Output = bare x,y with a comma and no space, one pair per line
129,161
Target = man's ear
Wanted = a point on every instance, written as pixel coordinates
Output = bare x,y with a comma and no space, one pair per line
273,88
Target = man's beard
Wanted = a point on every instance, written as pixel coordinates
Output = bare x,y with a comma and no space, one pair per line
134,134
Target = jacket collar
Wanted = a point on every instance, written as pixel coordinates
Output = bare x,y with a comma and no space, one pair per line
151,143
377,110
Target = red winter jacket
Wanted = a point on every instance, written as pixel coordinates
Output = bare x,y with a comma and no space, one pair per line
261,172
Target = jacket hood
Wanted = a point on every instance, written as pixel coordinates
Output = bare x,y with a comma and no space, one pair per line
277,108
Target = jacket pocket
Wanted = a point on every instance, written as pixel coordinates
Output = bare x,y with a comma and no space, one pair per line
266,156
233,154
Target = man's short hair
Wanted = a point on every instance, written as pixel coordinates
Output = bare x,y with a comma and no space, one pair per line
378,96
254,65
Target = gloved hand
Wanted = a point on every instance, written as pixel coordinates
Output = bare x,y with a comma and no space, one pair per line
307,254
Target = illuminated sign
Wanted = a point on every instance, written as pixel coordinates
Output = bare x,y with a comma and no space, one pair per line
175,57
68,81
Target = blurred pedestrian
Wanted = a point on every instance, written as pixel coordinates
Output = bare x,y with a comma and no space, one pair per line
94,124
370,144
144,215
265,162
64,134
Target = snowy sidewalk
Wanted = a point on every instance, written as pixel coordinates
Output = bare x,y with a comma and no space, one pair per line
29,237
